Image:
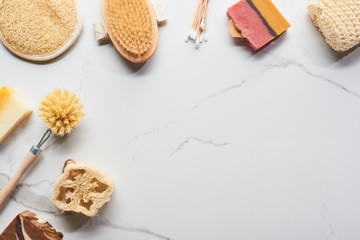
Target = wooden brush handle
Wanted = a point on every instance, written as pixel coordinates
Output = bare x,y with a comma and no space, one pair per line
9,188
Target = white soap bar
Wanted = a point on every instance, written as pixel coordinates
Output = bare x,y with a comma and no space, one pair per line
13,110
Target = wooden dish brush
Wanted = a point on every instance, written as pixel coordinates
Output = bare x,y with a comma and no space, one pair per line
61,110
132,28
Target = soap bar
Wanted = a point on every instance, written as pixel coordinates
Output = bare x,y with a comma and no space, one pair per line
258,21
28,226
13,109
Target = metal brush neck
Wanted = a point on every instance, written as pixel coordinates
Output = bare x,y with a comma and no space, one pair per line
44,138
35,150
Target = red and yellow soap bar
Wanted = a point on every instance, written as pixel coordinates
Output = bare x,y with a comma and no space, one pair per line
258,21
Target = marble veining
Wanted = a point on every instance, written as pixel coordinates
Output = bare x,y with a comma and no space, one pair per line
218,142
196,139
141,230
31,195
324,215
288,63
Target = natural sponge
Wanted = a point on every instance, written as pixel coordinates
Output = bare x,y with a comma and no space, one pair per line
82,188
338,20
39,30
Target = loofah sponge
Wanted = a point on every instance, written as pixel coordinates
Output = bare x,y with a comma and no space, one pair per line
132,27
82,188
61,110
39,30
338,20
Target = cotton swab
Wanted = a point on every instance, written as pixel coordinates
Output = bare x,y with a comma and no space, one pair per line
197,28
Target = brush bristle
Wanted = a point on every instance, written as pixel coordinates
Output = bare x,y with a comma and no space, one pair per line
130,22
61,110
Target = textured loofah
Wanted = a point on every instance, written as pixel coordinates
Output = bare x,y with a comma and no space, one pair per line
39,30
338,20
132,27
82,188
61,110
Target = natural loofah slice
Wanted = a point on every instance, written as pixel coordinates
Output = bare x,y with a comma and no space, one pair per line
61,110
338,20
82,188
39,30
132,27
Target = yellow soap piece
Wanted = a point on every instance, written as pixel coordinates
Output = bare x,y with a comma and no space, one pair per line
13,109
272,15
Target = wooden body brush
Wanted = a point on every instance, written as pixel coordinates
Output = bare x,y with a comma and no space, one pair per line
132,28
61,110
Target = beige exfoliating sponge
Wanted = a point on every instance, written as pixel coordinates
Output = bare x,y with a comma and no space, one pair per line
338,20
132,27
82,188
39,30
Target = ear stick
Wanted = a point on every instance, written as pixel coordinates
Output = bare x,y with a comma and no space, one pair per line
61,110
198,26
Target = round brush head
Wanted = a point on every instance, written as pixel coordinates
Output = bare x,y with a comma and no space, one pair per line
61,110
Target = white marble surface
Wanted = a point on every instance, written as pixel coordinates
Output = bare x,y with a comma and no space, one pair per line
214,143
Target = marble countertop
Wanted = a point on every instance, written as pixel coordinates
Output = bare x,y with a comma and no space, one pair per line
218,142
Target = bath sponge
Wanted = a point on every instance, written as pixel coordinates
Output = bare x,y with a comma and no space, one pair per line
82,188
338,20
39,30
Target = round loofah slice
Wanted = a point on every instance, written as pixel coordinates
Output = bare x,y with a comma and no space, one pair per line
82,188
39,30
132,28
338,20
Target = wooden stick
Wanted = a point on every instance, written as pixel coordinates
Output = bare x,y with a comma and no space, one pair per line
199,19
194,15
206,13
9,188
